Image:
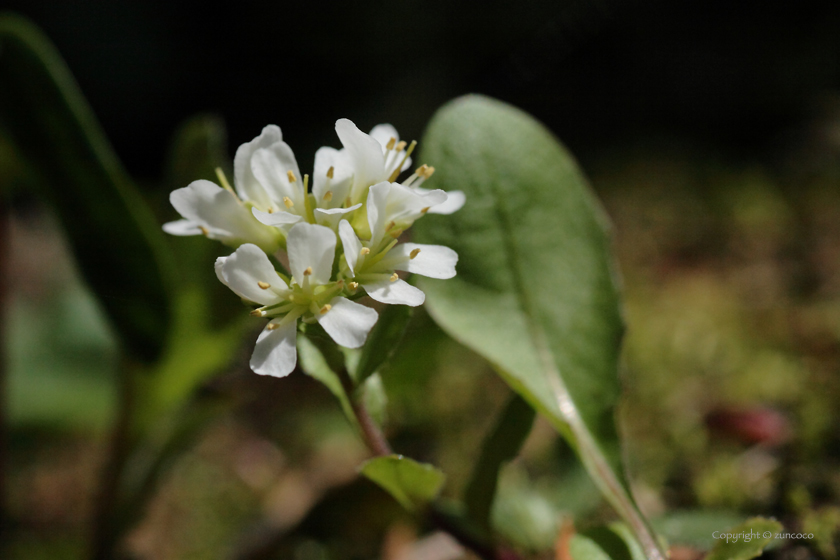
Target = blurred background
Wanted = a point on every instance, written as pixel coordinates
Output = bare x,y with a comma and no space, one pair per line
710,130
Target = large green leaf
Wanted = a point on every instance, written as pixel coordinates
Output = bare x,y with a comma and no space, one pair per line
382,341
414,485
117,243
536,291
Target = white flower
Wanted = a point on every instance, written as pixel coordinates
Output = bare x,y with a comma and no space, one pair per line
309,295
373,264
225,215
380,157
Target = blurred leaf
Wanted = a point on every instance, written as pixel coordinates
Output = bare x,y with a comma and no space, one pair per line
412,484
536,290
198,147
617,541
314,364
117,243
759,532
584,548
383,340
375,399
695,528
500,446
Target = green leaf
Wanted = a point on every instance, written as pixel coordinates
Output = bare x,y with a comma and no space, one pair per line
695,527
414,485
501,446
314,364
536,291
747,540
617,541
583,548
375,398
382,340
116,240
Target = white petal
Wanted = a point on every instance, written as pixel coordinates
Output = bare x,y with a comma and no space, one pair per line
275,352
365,154
220,263
347,322
377,210
351,243
383,133
341,180
311,245
454,201
182,227
208,205
434,261
330,217
275,219
399,292
245,269
271,166
246,184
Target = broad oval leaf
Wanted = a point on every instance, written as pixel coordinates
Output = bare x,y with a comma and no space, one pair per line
116,240
746,540
414,485
536,291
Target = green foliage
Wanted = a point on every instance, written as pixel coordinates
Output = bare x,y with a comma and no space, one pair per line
382,340
57,137
748,540
501,445
314,364
536,290
414,485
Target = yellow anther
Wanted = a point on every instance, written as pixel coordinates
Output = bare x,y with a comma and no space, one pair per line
270,210
266,285
390,144
424,210
395,233
330,172
288,201
257,313
308,271
291,175
395,277
414,253
353,285
327,196
271,326
390,225
429,171
364,251
326,308
401,146
421,171
204,230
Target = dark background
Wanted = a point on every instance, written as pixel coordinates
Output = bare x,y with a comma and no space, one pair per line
741,78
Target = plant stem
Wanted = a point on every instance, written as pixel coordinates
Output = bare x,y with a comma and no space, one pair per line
378,444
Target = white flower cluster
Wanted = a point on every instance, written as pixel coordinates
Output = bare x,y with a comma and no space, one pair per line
340,237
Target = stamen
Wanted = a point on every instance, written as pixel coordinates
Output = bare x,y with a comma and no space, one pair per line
308,271
401,146
291,175
257,313
424,210
326,308
204,230
395,277
396,233
390,225
364,251
223,181
305,182
328,195
398,168
353,285
421,171
429,171
270,210
288,201
390,144
272,326
414,253
266,285
330,172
